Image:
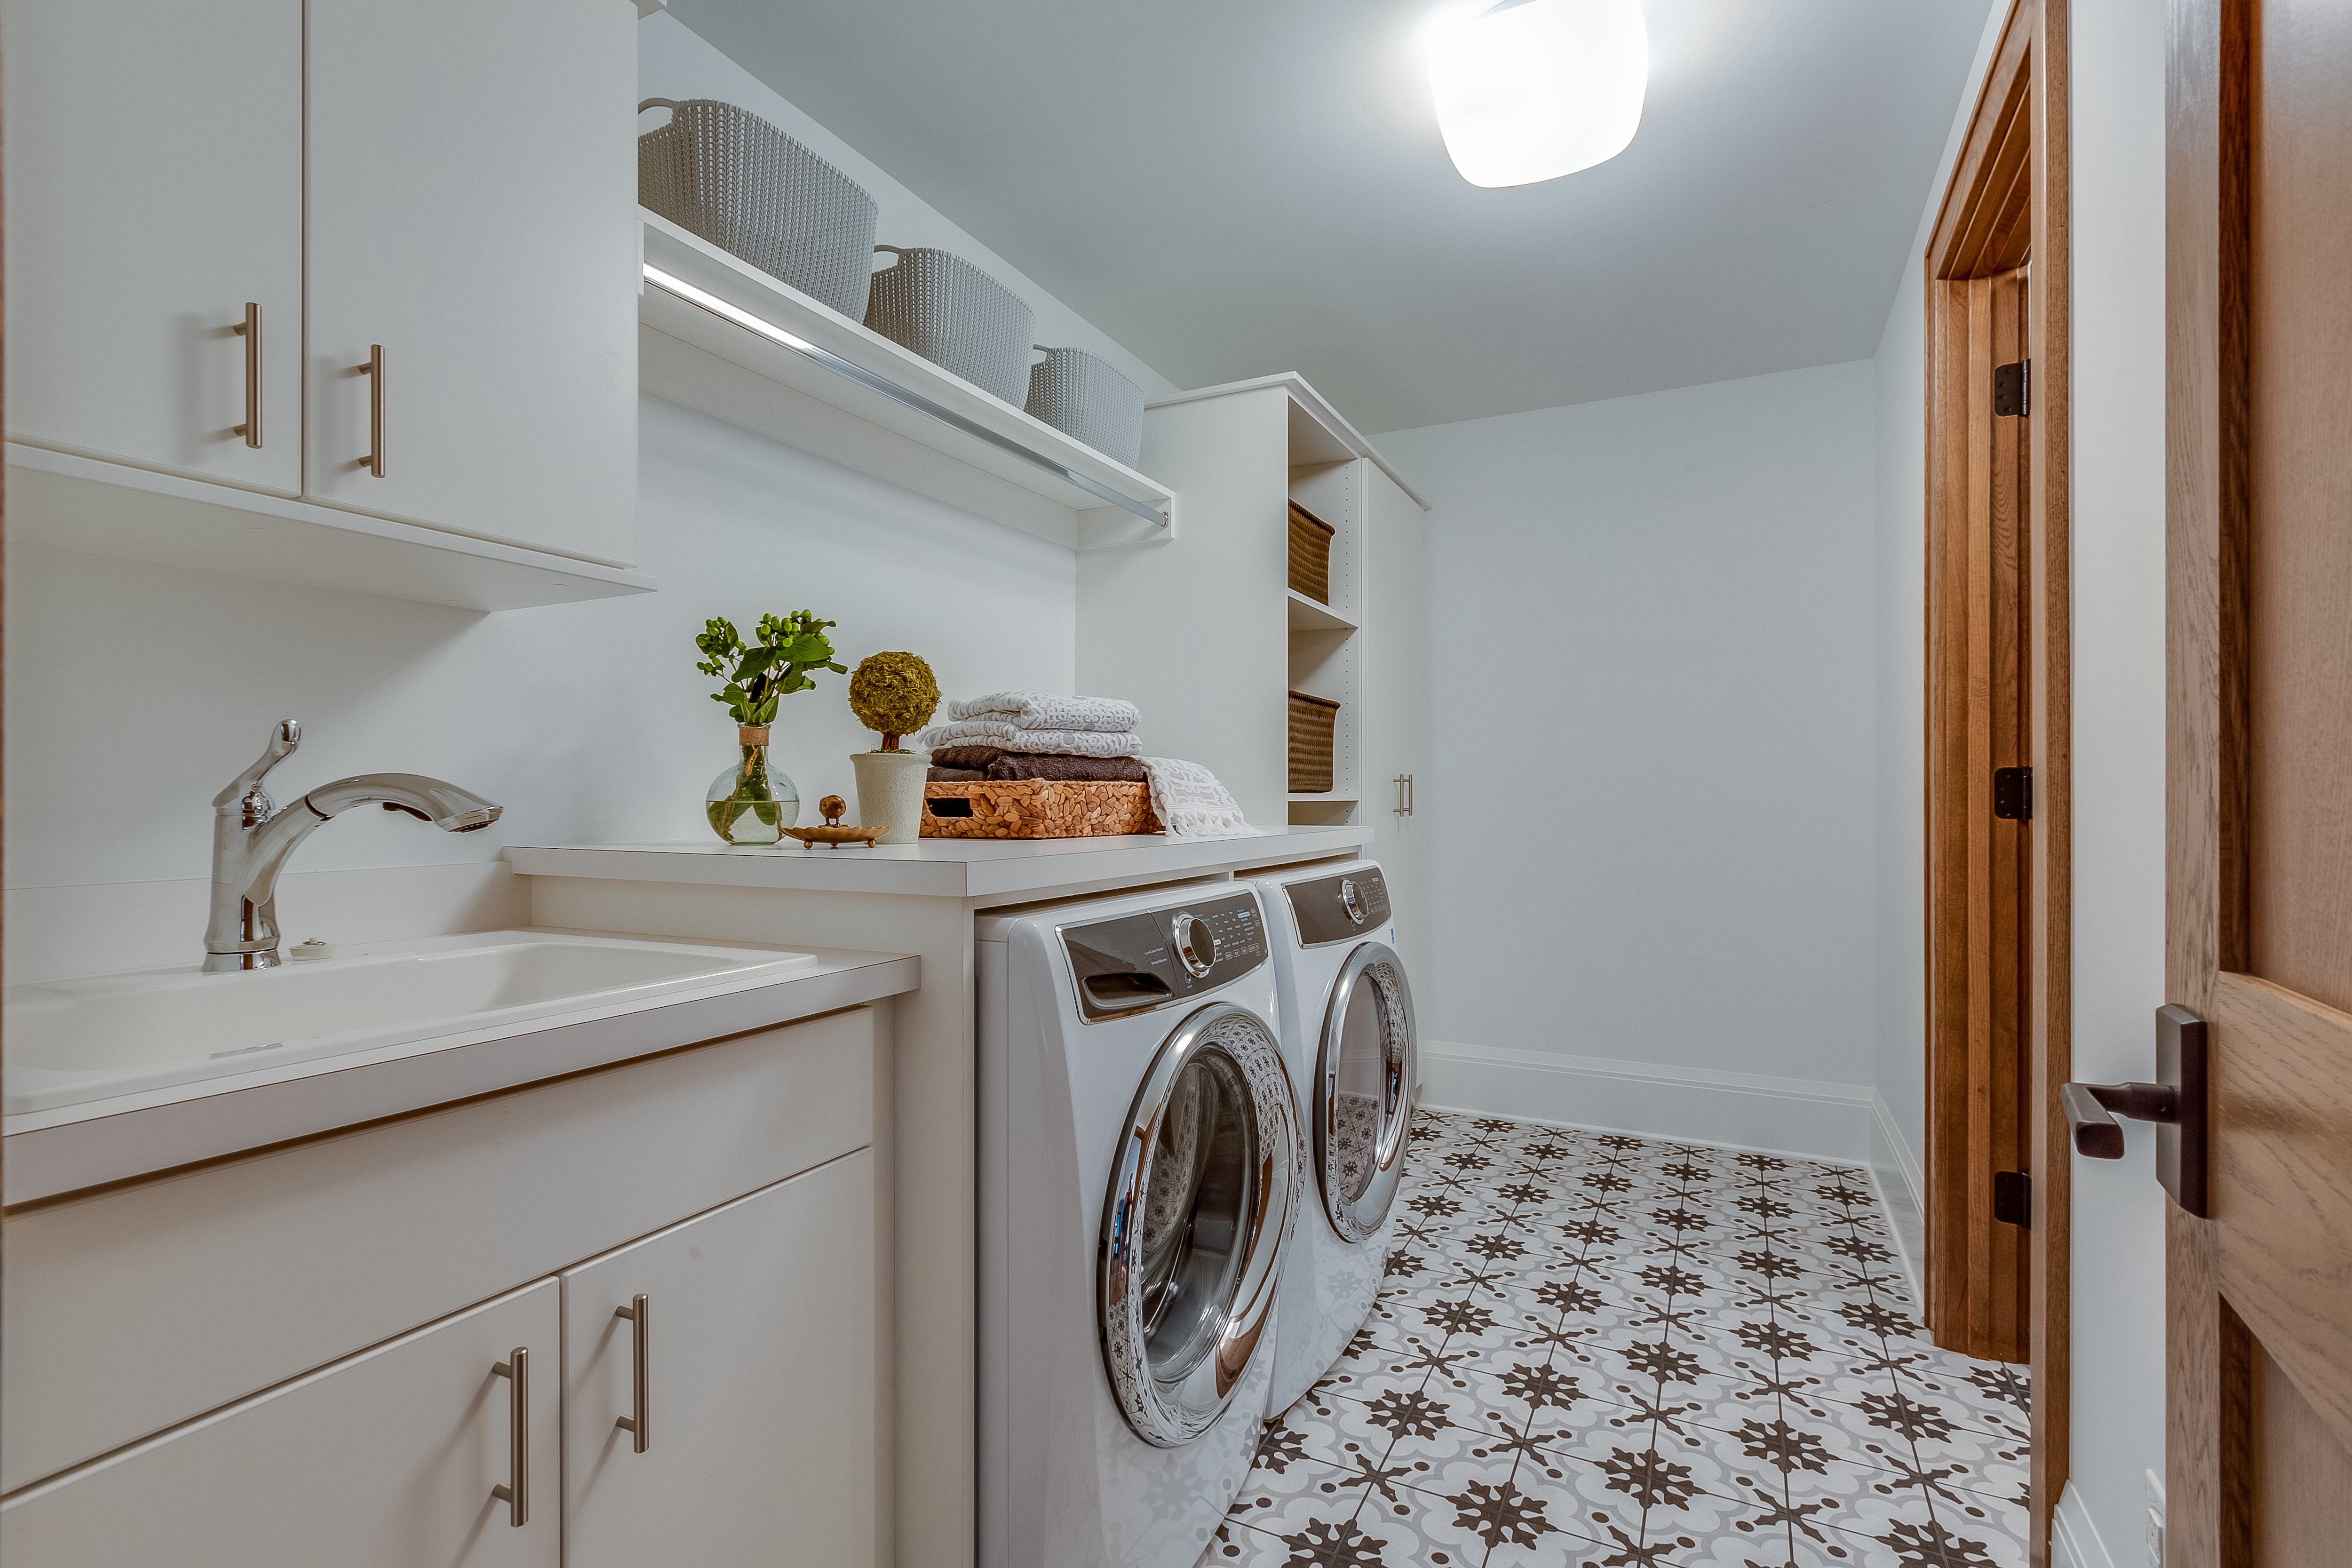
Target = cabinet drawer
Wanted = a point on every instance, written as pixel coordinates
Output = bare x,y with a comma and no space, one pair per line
129,1312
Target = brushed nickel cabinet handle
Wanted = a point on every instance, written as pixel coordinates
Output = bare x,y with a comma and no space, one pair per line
640,1380
251,330
373,371
516,1493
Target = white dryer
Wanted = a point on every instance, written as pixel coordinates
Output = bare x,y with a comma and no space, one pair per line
1349,1039
1140,1171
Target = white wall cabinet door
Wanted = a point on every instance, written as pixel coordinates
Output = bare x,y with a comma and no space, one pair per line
386,1460
758,1384
472,209
1397,631
155,188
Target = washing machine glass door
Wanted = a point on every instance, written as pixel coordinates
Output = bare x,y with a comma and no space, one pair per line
1363,1090
1201,1203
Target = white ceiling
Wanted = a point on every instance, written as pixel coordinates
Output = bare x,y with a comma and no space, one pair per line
1231,187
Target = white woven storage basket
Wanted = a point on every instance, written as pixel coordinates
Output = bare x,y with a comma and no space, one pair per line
1083,397
956,316
727,176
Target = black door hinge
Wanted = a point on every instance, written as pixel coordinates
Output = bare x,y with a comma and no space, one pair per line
2012,389
2012,1198
2012,794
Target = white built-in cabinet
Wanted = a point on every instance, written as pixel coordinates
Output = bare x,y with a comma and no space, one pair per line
155,188
758,1371
310,1356
442,190
1396,745
387,1460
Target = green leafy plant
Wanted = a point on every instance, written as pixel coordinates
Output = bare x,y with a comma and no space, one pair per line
765,670
893,693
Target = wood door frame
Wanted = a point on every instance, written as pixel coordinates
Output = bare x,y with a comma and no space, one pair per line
2017,137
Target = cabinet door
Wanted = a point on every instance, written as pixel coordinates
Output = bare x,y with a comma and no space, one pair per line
386,1460
473,210
155,187
1396,633
758,1384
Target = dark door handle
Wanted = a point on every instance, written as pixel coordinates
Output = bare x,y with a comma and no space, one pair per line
2176,1103
2092,1109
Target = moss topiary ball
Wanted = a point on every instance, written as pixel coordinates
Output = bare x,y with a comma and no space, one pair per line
893,694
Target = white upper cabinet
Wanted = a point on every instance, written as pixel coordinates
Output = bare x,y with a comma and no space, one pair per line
154,190
391,1460
472,211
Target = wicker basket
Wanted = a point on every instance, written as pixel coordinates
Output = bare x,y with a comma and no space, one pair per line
1310,554
1312,722
1085,399
957,317
727,176
1036,808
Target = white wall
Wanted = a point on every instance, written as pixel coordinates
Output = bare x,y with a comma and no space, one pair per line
134,691
2118,196
1652,839
2119,960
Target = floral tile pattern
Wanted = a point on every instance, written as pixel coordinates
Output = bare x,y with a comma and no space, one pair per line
1597,1351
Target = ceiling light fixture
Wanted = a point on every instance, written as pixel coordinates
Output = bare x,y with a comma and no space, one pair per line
1533,90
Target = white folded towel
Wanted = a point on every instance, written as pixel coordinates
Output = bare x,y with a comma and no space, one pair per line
1049,710
1192,804
1013,737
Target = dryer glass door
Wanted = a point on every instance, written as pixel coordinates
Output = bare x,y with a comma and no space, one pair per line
1193,1229
1363,1100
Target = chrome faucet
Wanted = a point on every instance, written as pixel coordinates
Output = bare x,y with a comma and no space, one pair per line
252,838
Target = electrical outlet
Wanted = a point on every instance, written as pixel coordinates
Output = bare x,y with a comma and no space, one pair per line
2155,1520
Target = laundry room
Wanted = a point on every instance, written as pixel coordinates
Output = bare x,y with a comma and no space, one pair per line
1364,785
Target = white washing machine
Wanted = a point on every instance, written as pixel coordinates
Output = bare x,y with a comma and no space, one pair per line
1140,1171
1348,1037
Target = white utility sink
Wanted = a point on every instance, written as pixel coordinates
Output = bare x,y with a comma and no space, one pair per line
70,1041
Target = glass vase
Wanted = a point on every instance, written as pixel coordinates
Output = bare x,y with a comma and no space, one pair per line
752,802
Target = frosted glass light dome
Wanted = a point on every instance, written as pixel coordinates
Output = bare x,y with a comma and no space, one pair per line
1533,90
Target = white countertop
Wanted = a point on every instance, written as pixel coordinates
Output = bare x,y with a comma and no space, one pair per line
999,870
72,1147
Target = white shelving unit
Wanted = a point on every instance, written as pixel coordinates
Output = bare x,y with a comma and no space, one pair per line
1203,630
732,341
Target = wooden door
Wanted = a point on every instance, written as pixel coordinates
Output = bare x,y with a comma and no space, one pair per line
1979,838
154,189
473,210
386,1460
2259,773
758,1384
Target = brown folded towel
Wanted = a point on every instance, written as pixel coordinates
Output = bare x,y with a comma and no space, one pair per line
1082,770
965,756
956,775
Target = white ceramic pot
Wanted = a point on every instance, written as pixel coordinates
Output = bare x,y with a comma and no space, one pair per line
890,792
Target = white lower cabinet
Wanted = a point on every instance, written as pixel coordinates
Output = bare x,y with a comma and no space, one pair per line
387,1460
752,1372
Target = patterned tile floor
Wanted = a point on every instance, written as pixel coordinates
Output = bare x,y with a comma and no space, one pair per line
1594,1349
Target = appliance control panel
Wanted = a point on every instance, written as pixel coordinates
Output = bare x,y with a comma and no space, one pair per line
1132,964
1350,905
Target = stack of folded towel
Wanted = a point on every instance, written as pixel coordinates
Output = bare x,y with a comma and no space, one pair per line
1037,735
1041,735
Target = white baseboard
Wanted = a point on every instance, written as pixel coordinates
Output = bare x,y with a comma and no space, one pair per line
1891,1152
2075,1541
1804,1117
55,933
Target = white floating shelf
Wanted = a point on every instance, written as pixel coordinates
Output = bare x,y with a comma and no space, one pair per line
75,502
1313,615
1012,467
